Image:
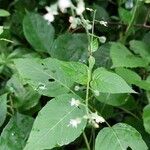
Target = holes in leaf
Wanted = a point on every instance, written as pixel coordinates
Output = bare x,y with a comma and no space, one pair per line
51,80
45,68
53,71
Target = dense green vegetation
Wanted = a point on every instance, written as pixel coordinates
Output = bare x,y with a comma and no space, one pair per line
74,75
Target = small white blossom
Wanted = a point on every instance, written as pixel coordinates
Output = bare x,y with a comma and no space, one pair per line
74,22
94,119
49,17
51,11
75,102
104,23
102,39
42,86
129,4
80,7
94,124
64,4
76,88
97,118
74,122
96,92
89,9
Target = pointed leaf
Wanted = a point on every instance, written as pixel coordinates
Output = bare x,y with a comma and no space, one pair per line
51,127
3,108
38,32
16,132
120,137
109,82
146,118
122,57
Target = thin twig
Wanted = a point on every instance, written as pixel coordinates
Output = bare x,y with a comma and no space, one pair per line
86,141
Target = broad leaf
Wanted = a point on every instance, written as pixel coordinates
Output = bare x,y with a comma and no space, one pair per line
16,132
120,137
70,47
132,77
128,75
3,108
51,127
24,96
109,82
122,57
4,13
113,99
125,15
38,32
51,77
1,29
140,48
102,56
146,118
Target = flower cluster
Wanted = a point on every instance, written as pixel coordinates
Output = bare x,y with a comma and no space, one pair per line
63,5
94,119
74,102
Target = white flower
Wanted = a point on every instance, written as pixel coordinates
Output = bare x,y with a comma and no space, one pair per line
49,17
97,118
74,22
76,88
94,119
89,9
102,39
96,92
74,122
80,7
75,102
129,4
104,23
42,86
51,11
64,4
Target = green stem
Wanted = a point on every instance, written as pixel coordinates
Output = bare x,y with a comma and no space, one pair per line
86,141
2,39
131,24
87,91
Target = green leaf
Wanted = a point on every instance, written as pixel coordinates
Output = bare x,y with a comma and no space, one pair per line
120,137
133,78
122,57
140,48
128,75
3,108
113,99
51,77
51,127
147,1
24,96
4,13
108,82
16,132
125,15
146,118
70,47
94,45
1,29
101,13
102,56
38,32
